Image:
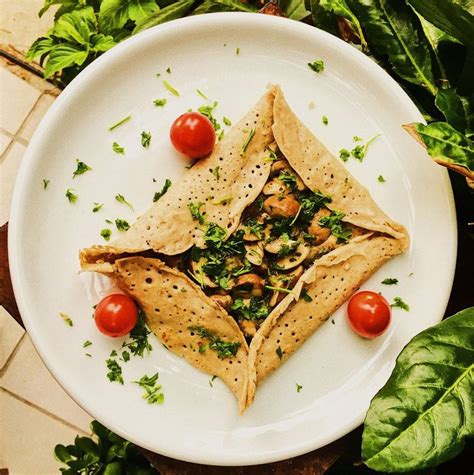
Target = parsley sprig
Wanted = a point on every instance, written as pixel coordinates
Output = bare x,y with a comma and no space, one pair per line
224,349
153,393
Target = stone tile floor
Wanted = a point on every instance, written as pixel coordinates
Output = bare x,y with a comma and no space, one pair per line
35,412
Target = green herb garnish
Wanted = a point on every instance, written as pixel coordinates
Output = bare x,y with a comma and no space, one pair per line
194,208
138,342
224,349
122,225
115,371
337,227
106,233
298,387
215,172
146,139
381,179
325,120
399,303
305,296
317,66
202,95
226,121
45,183
66,318
121,199
97,207
390,281
357,139
237,50
247,141
360,151
344,154
71,196
257,309
159,194
170,88
208,111
86,344
212,380
120,122
118,149
153,393
81,168
160,102
168,70
279,352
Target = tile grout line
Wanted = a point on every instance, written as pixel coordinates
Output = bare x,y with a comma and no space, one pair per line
44,411
7,363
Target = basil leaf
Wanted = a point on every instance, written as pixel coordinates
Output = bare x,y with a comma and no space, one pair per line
76,27
423,414
113,468
114,14
392,31
294,9
101,43
457,109
171,12
445,145
454,17
340,8
62,453
40,47
210,6
62,56
71,4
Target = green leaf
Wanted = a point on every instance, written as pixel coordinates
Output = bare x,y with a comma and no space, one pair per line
62,56
101,43
40,47
423,414
70,4
294,9
76,27
454,17
210,6
87,446
322,18
171,12
445,145
392,31
62,453
340,8
114,468
114,14
456,109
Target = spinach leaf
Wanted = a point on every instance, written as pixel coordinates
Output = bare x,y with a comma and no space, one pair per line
171,12
322,18
445,145
457,109
114,14
294,9
454,17
423,414
392,31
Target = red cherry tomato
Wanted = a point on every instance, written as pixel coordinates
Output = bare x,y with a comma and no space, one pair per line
368,314
193,134
116,315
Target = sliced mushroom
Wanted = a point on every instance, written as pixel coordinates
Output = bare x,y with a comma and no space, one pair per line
249,285
294,276
279,166
248,327
295,259
318,251
225,301
278,245
278,206
200,274
274,187
320,233
254,253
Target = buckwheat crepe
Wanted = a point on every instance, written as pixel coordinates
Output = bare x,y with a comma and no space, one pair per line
190,312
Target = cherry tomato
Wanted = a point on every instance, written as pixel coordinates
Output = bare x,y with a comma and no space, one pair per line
368,314
193,134
116,315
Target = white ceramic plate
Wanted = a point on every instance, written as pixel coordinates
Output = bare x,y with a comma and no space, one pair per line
339,371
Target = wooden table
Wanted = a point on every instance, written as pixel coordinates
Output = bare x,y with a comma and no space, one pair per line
313,463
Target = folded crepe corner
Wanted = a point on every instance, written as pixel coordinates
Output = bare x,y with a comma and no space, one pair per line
173,304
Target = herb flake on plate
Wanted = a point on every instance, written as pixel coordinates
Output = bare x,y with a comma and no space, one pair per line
153,393
160,102
97,207
115,371
66,318
399,303
317,66
122,225
81,168
121,199
120,122
45,183
159,194
390,281
145,139
170,88
118,149
106,234
71,196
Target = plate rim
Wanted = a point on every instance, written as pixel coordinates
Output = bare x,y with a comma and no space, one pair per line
266,456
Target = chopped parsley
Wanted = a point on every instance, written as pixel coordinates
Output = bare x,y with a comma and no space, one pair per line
215,172
121,199
390,281
71,196
257,309
317,66
226,121
159,194
399,303
170,88
45,184
194,208
122,225
146,139
208,111
279,352
360,151
237,50
153,393
252,226
311,203
125,356
344,154
106,234
325,120
97,207
160,102
86,344
224,349
118,149
81,168
66,318
168,70
288,179
305,296
138,342
120,122
115,371
202,95
108,221
357,139
273,157
381,179
337,227
221,136
212,380
247,141
298,387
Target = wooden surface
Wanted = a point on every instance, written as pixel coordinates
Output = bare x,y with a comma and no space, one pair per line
313,463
